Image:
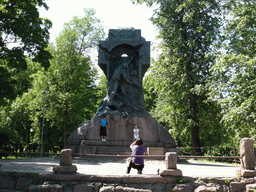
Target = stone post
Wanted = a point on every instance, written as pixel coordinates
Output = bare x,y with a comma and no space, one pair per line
65,166
66,157
171,159
247,154
247,158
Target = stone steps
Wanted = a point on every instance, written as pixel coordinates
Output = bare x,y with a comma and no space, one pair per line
115,148
109,150
119,143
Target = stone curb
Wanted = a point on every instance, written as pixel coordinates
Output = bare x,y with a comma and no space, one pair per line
21,180
150,179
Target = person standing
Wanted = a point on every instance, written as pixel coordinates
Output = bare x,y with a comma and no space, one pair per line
103,128
137,162
136,132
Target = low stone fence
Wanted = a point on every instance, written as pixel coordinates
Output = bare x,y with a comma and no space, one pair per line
35,182
65,179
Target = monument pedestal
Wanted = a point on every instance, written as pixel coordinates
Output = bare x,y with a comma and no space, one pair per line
86,139
124,57
117,148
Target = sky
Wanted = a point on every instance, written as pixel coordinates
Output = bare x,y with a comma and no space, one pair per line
113,13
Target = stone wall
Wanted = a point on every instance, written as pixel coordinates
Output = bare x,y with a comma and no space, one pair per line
34,182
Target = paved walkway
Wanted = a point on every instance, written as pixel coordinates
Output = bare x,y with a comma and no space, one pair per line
105,166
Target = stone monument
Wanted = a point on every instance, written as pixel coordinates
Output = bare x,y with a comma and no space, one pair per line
124,57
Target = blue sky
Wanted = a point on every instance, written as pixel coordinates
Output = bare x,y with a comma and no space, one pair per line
113,14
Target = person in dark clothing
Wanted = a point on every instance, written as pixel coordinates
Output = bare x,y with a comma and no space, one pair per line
137,162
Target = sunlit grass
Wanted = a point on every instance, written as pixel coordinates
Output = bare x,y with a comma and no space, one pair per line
237,163
14,157
24,156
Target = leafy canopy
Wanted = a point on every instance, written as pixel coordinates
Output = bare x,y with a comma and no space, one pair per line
188,30
22,33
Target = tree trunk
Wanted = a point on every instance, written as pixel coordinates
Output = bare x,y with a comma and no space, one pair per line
195,128
195,140
65,127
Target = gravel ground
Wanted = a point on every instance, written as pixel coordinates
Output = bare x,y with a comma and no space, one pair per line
111,166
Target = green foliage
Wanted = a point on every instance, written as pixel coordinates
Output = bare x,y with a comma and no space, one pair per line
196,88
233,83
102,88
240,30
15,117
22,32
82,33
186,151
233,86
180,180
8,136
221,151
191,90
66,89
149,95
188,30
71,97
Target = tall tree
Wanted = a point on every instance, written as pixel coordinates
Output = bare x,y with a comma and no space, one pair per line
241,27
188,29
66,89
22,32
15,121
233,82
74,70
69,81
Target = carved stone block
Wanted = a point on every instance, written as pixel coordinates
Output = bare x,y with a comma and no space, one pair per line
247,153
66,157
171,159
